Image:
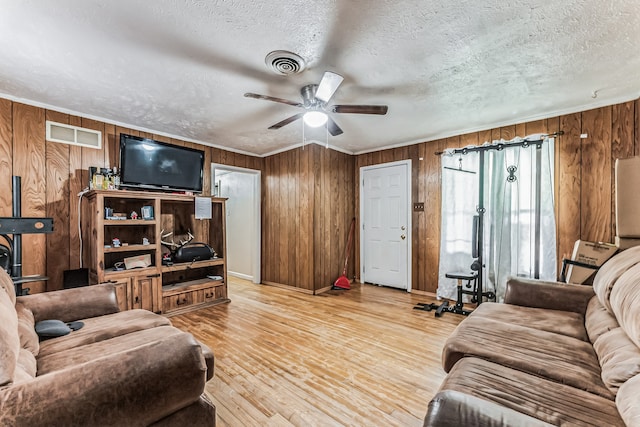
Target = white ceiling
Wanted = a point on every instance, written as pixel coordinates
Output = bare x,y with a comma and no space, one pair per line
181,67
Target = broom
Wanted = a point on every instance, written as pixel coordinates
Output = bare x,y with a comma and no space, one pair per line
343,282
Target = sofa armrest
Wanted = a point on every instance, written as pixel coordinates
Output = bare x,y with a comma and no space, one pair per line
549,295
138,386
73,304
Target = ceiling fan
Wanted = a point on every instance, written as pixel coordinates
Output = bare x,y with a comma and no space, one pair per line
314,100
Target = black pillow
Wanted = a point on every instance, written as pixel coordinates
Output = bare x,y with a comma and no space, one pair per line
55,328
51,329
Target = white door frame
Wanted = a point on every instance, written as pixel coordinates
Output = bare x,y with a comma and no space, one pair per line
409,211
257,179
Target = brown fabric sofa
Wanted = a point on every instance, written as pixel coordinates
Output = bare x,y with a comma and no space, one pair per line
128,368
552,354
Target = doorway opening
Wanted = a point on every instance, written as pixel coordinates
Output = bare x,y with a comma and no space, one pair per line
241,187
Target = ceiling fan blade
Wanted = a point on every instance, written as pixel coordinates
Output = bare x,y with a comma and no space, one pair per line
272,98
333,127
286,121
360,109
328,86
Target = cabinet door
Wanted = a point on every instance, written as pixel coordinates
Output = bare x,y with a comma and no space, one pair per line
123,294
144,293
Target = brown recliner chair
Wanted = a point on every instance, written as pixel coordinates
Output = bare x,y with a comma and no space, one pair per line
122,368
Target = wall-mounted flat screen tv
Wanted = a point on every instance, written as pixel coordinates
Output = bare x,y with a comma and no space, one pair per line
149,164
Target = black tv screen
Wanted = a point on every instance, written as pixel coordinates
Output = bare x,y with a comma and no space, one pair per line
149,164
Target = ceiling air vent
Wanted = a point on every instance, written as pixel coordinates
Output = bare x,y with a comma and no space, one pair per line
74,135
284,62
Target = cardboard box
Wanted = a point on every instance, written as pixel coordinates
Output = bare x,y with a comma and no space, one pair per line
140,261
591,253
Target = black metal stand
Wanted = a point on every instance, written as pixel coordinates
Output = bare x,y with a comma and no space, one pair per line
17,226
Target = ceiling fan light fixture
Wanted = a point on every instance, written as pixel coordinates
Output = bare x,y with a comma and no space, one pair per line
315,119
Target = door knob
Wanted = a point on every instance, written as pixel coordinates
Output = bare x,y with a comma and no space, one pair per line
403,237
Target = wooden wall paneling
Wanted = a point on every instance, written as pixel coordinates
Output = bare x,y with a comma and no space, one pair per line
265,241
92,156
215,155
420,218
110,146
433,213
76,184
386,156
283,214
226,157
335,216
569,175
6,157
484,136
29,163
160,138
636,128
352,211
622,145
305,221
206,176
412,154
521,130
596,176
319,204
292,215
358,163
508,132
57,205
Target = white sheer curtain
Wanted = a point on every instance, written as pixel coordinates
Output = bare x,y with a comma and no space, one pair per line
511,179
459,202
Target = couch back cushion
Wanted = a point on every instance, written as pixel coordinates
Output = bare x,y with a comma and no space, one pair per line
27,329
9,338
619,358
608,275
627,401
625,302
597,320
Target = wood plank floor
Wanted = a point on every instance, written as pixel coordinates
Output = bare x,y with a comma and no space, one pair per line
343,358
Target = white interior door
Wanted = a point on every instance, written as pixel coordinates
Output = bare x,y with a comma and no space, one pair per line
386,226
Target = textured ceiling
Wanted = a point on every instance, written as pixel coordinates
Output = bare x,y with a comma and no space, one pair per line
180,68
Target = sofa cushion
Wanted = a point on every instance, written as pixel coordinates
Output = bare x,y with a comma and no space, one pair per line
26,329
91,351
478,392
610,272
559,322
625,301
27,362
553,356
9,338
627,401
619,358
103,328
7,284
597,320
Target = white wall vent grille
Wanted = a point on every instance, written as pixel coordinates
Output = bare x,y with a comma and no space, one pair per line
74,135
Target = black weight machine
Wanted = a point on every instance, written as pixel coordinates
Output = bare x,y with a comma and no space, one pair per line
474,279
11,256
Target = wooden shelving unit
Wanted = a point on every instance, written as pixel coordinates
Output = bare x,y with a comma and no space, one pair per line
168,289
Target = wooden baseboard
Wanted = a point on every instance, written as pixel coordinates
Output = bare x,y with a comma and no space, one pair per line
289,287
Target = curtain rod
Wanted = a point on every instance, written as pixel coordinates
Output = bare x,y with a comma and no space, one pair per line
500,145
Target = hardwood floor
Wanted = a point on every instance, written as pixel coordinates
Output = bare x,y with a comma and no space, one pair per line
343,358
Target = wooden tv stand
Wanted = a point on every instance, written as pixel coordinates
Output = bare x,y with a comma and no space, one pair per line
168,289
